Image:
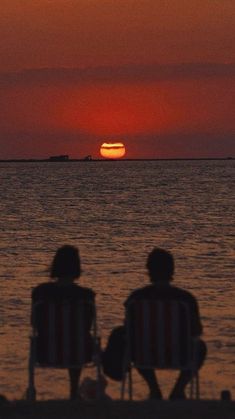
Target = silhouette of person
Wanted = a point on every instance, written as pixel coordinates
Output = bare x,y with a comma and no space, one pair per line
160,266
65,269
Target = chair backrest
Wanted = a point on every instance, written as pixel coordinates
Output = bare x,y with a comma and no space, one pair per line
62,332
159,334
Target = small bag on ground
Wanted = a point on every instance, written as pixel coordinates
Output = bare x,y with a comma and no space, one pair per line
113,355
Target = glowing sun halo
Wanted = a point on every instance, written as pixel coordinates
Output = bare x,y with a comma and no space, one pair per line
112,150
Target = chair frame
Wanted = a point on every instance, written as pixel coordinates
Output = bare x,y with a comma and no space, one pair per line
34,363
128,363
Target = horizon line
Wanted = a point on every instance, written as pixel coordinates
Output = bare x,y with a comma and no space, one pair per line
35,160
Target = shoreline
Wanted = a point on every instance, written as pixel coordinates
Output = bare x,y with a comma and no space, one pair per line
60,409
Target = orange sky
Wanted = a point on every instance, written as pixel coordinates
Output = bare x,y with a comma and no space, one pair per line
158,76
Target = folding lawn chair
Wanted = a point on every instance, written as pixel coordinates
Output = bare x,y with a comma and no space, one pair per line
60,338
158,336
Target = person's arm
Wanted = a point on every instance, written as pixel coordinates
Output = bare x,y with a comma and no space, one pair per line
197,328
33,299
38,295
90,312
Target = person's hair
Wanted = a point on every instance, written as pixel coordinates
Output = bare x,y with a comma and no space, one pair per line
160,265
66,263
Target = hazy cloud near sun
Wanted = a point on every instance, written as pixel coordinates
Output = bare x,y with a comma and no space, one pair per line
126,73
183,110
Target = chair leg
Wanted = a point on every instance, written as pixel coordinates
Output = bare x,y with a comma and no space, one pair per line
128,372
98,379
123,384
98,367
125,370
31,391
31,394
197,386
191,388
130,384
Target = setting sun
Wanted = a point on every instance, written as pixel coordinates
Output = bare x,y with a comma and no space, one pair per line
112,150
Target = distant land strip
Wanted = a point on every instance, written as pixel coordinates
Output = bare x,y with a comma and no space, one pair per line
48,160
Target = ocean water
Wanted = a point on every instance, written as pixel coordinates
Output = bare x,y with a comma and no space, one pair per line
116,212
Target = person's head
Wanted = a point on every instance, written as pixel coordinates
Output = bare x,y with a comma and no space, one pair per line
66,263
160,265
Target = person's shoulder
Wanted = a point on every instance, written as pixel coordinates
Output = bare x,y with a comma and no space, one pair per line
139,293
156,291
83,292
42,289
44,286
181,293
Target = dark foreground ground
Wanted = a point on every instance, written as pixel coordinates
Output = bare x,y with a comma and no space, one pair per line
55,409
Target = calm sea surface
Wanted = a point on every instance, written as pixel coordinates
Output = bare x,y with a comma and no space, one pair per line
116,212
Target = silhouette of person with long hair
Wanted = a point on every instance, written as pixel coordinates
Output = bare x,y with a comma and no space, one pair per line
65,269
160,266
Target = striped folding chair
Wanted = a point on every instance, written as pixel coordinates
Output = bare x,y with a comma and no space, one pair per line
61,338
158,336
